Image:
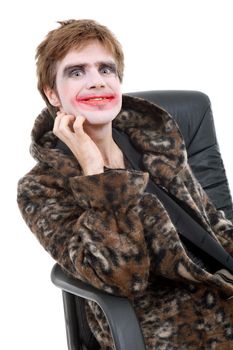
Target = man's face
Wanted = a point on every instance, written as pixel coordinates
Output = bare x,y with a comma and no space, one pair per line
87,83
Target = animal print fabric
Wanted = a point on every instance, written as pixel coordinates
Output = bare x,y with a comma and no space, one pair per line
108,231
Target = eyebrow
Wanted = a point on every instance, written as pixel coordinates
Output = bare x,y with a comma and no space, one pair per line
69,67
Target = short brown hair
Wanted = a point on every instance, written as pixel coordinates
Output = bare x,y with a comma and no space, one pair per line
72,34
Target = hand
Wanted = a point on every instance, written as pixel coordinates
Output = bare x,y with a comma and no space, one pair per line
69,129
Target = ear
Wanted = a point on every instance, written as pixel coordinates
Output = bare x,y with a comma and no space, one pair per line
52,96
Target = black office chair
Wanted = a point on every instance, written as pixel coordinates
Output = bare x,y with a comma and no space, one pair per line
192,111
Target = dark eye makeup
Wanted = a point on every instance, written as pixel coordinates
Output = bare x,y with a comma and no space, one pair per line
75,71
106,68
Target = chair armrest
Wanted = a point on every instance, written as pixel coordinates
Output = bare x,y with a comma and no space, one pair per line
119,312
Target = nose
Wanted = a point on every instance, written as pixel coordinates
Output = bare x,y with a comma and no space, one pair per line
95,80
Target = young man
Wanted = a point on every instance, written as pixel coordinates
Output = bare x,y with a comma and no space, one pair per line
91,211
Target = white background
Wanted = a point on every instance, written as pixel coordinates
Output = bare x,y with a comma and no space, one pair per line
177,44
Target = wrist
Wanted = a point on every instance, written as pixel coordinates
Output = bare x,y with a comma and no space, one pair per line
93,171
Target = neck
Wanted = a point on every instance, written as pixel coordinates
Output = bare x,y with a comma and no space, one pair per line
102,136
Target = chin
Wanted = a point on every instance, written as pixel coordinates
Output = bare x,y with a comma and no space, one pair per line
99,120
101,117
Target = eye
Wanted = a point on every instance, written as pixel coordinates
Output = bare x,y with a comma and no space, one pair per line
76,72
107,70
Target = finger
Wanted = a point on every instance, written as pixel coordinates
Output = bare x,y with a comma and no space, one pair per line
66,125
78,125
57,122
63,127
61,116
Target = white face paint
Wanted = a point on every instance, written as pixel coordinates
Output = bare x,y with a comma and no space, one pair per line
87,83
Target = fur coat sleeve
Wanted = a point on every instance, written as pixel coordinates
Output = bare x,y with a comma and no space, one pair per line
91,230
203,209
222,227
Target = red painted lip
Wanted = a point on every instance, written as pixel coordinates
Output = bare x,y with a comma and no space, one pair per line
93,97
96,100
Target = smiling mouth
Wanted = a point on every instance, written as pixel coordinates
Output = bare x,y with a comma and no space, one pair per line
95,100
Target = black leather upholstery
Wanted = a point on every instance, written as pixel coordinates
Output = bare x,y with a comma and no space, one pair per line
192,111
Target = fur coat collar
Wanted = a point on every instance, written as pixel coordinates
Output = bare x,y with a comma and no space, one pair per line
139,119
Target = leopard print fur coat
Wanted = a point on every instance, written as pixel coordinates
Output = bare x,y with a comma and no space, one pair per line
108,231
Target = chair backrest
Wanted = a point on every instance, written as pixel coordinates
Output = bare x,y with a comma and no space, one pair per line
192,111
